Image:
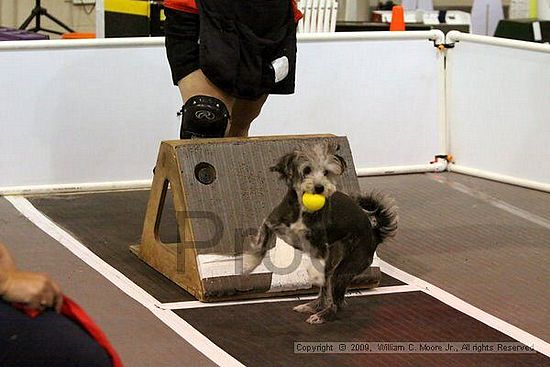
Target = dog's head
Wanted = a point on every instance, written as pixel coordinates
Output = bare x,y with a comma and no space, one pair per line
312,169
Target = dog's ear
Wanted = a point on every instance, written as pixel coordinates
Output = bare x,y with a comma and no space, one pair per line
332,147
285,166
342,162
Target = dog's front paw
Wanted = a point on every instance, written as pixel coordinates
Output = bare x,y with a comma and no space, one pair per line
305,308
250,262
323,316
315,319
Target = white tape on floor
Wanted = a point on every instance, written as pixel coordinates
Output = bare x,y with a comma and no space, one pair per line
497,203
173,321
464,307
354,293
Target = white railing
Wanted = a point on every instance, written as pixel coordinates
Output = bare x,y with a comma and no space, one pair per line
319,16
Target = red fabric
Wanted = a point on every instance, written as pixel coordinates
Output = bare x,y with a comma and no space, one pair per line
72,311
189,6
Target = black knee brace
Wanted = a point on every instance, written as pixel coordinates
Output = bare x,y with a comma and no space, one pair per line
203,117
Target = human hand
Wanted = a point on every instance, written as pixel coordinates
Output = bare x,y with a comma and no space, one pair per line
34,290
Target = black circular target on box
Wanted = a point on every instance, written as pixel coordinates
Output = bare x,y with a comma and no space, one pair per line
205,173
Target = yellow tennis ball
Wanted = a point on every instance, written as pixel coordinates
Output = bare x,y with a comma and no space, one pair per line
313,202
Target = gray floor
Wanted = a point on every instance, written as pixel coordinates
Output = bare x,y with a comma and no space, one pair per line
487,256
454,233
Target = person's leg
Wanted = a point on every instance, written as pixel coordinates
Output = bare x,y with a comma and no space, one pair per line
242,114
197,83
50,339
206,108
242,111
209,107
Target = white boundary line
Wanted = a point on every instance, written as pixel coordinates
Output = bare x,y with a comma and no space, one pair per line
466,308
353,293
542,186
180,326
497,203
205,345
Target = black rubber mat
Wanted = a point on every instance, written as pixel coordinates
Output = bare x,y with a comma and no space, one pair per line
486,256
107,223
264,334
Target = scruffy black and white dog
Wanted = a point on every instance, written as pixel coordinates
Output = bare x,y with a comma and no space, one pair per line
342,236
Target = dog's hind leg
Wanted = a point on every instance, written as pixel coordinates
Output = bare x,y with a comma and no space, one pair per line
343,276
341,284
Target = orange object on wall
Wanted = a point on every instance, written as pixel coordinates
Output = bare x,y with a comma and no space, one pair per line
76,35
397,19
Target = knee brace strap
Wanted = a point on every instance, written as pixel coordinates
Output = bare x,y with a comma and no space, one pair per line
204,117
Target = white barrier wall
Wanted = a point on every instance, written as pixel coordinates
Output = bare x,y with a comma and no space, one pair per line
95,111
83,114
383,95
498,94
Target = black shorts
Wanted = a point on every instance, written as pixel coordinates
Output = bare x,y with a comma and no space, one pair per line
182,43
182,49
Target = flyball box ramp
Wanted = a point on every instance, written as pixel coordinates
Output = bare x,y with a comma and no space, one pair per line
222,190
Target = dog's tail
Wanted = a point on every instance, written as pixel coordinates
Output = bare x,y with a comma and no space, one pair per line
382,213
